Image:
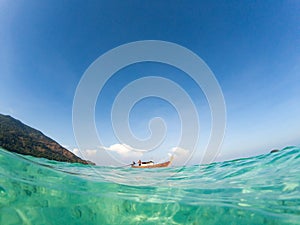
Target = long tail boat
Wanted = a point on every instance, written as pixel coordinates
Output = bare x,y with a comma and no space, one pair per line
151,164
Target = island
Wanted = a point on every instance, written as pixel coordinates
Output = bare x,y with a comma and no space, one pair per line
22,139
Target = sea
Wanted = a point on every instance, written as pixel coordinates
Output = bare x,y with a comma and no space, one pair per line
264,189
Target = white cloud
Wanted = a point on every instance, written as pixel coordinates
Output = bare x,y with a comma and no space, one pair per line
119,154
181,155
75,151
124,150
180,151
90,152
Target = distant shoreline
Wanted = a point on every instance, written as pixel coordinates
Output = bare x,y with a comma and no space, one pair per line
20,138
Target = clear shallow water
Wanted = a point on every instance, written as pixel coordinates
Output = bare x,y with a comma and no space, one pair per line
258,190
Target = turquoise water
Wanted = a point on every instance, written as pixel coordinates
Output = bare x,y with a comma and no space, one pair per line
258,190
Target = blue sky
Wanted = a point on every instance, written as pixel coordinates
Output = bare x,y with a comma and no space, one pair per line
251,47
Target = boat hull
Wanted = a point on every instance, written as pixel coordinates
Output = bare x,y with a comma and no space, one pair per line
159,165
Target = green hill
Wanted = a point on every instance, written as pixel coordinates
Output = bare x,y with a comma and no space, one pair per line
20,138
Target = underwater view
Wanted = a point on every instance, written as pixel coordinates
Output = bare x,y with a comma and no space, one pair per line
259,190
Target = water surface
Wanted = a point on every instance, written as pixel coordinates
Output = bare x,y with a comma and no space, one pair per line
258,190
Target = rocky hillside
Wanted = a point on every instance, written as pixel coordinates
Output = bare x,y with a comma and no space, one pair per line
20,138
